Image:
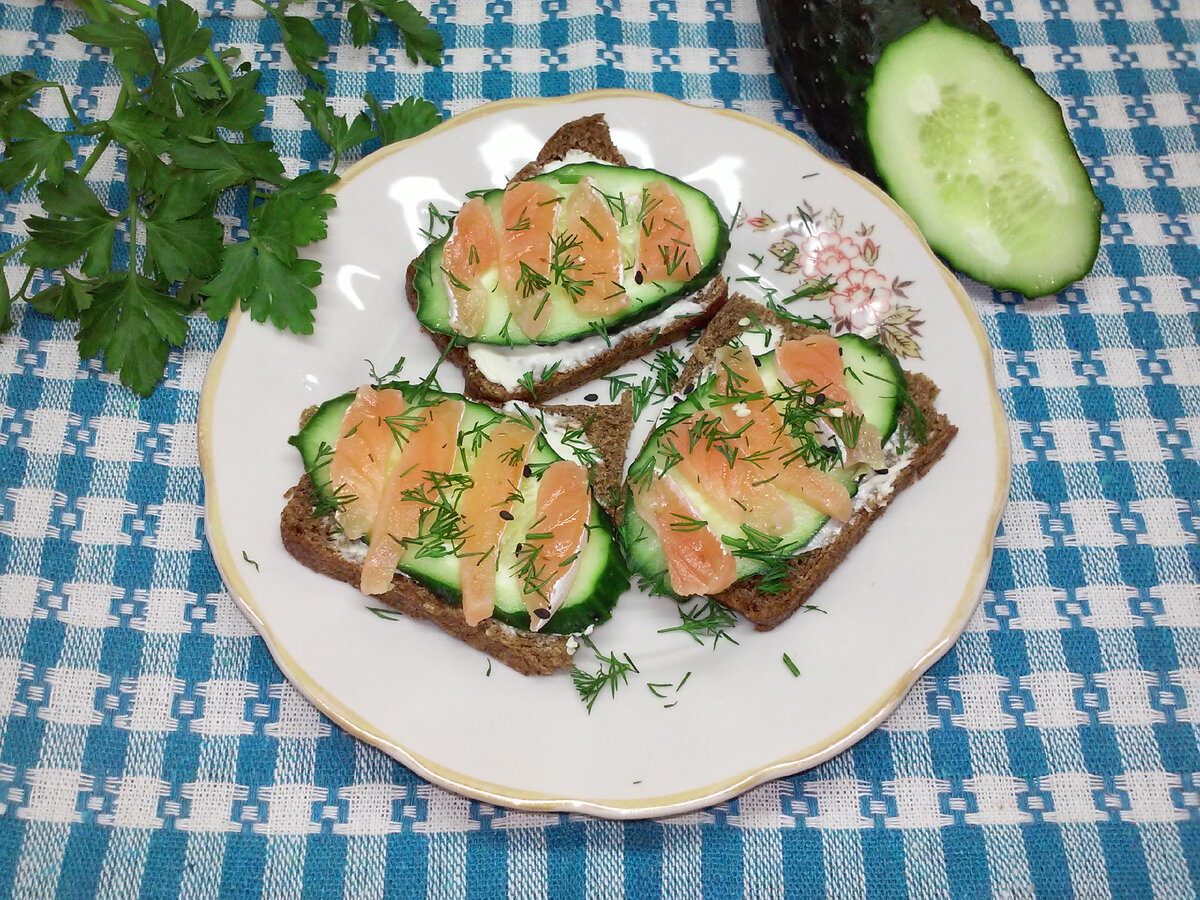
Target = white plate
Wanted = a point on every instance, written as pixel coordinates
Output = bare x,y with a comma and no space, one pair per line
894,607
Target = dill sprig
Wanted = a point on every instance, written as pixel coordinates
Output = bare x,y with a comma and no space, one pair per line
437,217
704,619
387,378
440,531
769,550
531,281
612,674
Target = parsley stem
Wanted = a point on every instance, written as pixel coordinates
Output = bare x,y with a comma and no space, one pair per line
28,278
12,251
70,109
95,154
218,68
143,11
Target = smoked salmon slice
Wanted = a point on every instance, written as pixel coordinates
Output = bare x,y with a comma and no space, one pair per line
472,251
697,561
359,466
817,362
765,436
555,539
529,215
427,448
666,247
597,276
486,509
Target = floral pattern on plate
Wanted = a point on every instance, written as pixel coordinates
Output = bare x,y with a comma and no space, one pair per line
841,269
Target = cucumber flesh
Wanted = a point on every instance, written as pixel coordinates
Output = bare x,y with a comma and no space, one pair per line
601,575
965,140
875,381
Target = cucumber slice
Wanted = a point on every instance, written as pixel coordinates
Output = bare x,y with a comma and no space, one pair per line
875,381
978,155
710,234
601,576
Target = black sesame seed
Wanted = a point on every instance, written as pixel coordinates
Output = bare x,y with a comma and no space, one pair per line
839,351
820,398
677,399
506,515
637,277
590,398
527,471
758,362
541,613
881,471
517,550
689,388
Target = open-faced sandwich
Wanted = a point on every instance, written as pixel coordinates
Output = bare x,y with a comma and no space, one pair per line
785,443
580,264
485,521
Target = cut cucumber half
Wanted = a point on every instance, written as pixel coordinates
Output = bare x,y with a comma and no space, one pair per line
965,140
601,575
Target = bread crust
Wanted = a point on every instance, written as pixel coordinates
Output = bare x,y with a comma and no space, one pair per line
315,543
807,571
589,134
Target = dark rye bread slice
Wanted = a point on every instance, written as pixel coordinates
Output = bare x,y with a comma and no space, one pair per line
809,570
588,135
314,543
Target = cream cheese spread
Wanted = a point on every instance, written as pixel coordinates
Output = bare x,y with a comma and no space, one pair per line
508,365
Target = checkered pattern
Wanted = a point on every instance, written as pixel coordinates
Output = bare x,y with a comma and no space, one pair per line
149,745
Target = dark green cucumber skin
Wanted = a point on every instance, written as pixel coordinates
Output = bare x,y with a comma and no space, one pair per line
825,51
428,266
597,608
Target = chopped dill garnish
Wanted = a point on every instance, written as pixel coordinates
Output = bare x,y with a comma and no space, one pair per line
601,329
252,562
705,619
769,550
382,612
787,661
380,381
687,523
526,381
437,217
592,228
531,281
612,673
522,223
813,289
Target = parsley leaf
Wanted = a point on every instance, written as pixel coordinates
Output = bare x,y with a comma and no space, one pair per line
134,325
268,286
337,131
35,150
183,131
421,42
401,121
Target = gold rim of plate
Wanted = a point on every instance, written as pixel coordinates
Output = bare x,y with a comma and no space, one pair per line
649,807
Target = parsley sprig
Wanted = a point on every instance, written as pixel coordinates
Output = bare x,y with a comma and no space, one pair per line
131,268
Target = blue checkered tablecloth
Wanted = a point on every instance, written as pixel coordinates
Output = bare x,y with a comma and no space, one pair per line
149,745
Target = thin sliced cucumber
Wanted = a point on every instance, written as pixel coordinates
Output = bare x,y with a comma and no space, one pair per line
601,575
623,186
